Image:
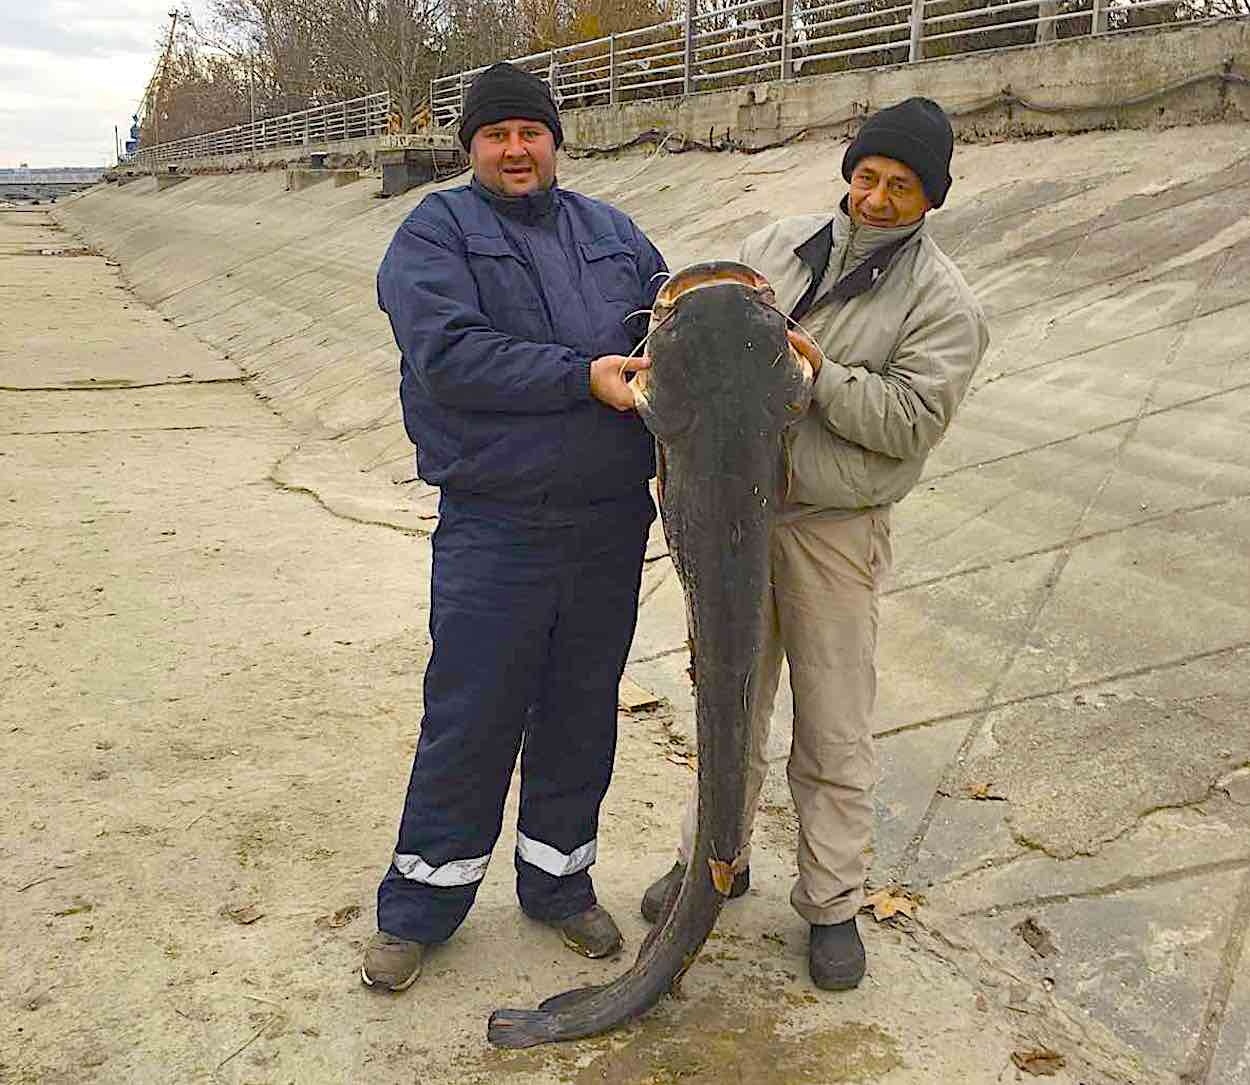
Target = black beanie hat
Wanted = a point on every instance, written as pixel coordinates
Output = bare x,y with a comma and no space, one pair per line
915,132
504,92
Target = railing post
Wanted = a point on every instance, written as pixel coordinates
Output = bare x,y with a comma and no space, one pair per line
463,81
1046,12
553,76
612,85
1099,24
687,62
915,50
787,38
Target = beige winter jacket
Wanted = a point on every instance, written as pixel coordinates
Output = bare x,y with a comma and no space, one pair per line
899,356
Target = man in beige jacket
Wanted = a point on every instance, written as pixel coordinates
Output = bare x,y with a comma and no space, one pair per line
900,334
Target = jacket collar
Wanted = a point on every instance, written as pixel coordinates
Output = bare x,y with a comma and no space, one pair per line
817,249
868,252
530,208
864,240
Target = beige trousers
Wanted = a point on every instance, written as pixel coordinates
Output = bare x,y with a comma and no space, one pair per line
822,615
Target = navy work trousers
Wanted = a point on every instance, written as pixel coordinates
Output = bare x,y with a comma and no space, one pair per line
532,613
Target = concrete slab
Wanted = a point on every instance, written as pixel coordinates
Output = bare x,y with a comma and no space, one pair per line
947,641
970,517
1132,601
912,765
1230,1063
1133,959
215,684
1210,836
1112,753
1079,533
181,406
965,839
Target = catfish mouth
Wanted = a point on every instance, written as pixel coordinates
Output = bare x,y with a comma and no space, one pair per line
715,273
804,353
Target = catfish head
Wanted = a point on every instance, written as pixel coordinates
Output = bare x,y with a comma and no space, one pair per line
720,353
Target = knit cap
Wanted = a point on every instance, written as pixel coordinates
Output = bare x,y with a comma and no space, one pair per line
504,92
915,132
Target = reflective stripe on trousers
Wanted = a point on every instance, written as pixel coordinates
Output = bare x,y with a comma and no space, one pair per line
552,860
456,872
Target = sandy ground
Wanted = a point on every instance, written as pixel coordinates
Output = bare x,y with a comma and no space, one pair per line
211,694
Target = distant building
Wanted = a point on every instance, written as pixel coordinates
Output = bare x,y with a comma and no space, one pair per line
24,183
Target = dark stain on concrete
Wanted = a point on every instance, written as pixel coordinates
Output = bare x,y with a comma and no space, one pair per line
716,1040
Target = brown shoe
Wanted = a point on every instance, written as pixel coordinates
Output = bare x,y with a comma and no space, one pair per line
391,963
592,933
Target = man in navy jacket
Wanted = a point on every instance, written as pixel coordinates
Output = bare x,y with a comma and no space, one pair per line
515,304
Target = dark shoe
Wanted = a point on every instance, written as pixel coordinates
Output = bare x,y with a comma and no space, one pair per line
659,891
391,962
836,956
592,933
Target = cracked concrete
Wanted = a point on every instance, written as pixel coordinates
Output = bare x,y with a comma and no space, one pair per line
1063,714
1121,756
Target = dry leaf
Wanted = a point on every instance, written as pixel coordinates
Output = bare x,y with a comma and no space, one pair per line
1040,1061
243,914
631,697
1036,937
889,902
982,792
338,919
78,906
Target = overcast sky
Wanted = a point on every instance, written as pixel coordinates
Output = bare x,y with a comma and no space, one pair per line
69,71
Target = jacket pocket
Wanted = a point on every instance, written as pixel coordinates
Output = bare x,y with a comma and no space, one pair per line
612,267
505,288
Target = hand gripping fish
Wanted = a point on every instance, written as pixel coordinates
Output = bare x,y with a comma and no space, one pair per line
724,384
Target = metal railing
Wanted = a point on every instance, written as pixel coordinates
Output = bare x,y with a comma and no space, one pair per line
359,118
754,41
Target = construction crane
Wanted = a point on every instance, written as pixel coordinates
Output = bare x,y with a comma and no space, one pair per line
150,107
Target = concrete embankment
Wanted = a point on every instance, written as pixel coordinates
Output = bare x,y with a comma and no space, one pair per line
1064,727
211,692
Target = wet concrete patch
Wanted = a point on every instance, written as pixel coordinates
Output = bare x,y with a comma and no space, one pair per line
714,1041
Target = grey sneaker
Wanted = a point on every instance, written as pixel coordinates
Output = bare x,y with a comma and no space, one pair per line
592,933
392,963
836,957
662,889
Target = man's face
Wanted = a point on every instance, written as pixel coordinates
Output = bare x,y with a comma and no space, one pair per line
886,193
515,157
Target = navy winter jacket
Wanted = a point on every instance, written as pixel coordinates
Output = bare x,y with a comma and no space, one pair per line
498,306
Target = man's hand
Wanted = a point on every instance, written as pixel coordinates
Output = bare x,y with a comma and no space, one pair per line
607,379
806,347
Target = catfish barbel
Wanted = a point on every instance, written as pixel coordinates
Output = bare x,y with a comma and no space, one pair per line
723,386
